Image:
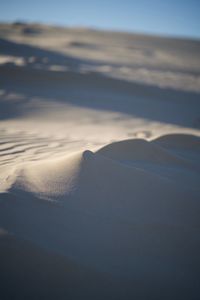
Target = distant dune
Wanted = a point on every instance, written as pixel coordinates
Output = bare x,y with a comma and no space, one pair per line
99,164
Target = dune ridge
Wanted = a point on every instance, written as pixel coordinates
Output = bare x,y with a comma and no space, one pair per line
61,176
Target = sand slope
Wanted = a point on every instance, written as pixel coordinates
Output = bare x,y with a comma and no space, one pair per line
99,165
30,272
129,210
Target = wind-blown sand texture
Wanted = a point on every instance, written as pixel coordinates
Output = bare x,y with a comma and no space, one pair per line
99,165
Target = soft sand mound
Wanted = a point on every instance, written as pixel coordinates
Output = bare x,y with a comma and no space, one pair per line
135,180
132,163
121,178
130,209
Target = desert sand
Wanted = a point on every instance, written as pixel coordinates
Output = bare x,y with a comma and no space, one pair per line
99,164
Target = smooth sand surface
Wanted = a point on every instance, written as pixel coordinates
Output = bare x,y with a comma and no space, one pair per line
99,165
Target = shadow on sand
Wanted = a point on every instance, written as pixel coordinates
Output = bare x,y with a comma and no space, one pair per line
87,89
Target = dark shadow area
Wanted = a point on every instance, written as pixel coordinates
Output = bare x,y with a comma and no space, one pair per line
29,272
161,256
88,89
96,91
42,57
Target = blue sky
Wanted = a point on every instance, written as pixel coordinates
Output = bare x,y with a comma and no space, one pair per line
168,17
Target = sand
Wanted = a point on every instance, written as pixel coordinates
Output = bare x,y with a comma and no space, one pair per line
99,164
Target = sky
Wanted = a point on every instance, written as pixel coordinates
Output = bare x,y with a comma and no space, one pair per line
162,17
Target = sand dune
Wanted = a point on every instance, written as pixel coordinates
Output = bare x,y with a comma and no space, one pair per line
99,165
55,178
102,209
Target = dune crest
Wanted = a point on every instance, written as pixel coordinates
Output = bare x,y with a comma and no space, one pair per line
63,175
132,179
